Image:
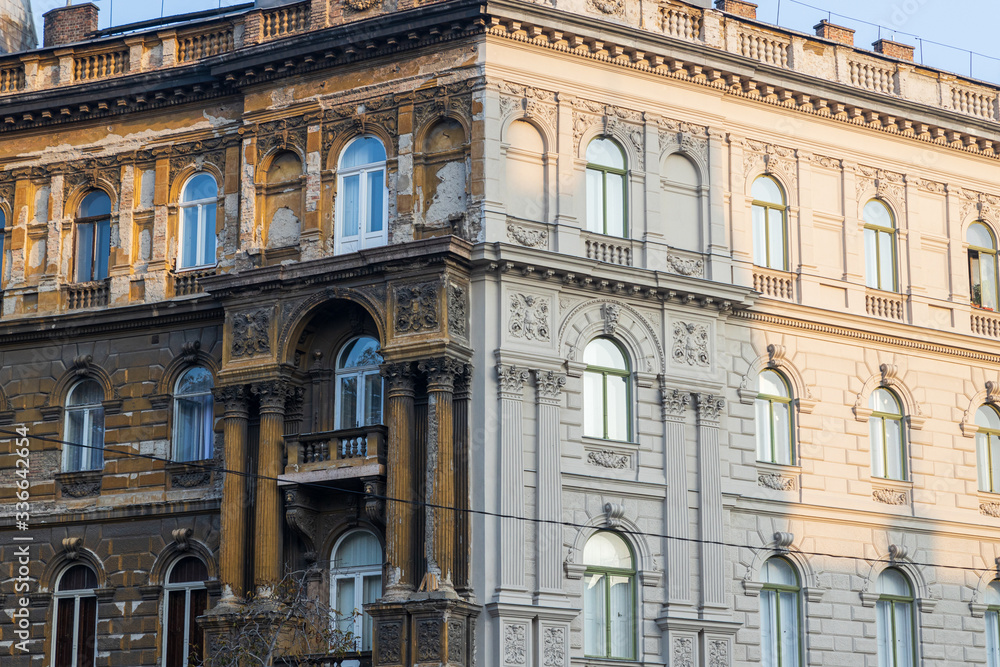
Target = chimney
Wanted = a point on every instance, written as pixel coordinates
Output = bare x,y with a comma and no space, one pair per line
894,49
741,8
835,33
73,23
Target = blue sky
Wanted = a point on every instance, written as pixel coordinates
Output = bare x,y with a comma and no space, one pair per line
967,24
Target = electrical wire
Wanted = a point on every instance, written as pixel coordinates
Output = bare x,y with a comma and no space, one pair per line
486,513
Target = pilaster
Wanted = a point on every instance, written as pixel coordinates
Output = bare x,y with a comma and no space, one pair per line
548,488
674,411
713,583
511,380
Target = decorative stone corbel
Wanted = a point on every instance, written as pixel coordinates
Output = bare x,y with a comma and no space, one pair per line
613,513
897,552
71,545
573,569
889,374
181,538
782,541
776,355
374,499
82,363
189,351
610,313
301,518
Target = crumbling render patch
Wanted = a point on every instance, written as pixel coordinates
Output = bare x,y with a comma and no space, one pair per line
284,229
449,196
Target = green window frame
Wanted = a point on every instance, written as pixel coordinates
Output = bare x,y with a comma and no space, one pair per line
606,164
774,419
886,433
988,448
769,214
880,246
992,599
983,277
607,391
781,614
602,583
892,632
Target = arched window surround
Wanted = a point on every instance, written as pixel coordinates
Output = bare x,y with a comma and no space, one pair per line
196,222
604,394
368,386
604,180
198,407
192,595
367,225
769,219
74,613
602,585
83,427
774,406
896,619
781,619
983,270
880,246
92,236
887,436
363,589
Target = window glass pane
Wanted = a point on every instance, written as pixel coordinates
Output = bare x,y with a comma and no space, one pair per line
199,604
759,236
95,455
84,252
345,604
360,353
883,632
992,637
376,197
605,549
350,211
359,549
876,213
975,278
988,265
904,634
778,571
893,582
771,384
987,416
102,250
789,628
871,259
992,596
606,153
983,462
776,239
187,435
765,189
877,446
615,205
894,449
373,399
197,380
362,151
189,237
208,236
348,417
994,462
593,400
769,628
604,353
94,204
3,238
882,400
782,432
188,569
618,412
201,186
594,619
979,236
372,591
174,640
620,610
77,578
886,264
595,201
65,620
763,409
86,632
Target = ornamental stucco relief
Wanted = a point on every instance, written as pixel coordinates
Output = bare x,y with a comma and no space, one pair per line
691,344
529,317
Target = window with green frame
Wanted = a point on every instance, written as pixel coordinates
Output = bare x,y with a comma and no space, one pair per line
775,440
992,600
607,391
607,208
982,266
779,614
609,604
885,428
988,448
769,224
880,246
894,620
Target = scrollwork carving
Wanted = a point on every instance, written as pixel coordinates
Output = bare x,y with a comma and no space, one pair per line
515,647
683,653
416,307
388,644
529,317
553,647
686,266
428,640
608,459
530,238
251,333
458,306
691,344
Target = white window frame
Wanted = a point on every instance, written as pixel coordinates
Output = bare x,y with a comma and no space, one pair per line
360,373
364,238
88,411
187,587
200,204
76,595
208,417
357,574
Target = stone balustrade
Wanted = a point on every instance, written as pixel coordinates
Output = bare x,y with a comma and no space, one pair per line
335,448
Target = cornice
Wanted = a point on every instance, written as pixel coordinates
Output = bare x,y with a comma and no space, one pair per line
43,518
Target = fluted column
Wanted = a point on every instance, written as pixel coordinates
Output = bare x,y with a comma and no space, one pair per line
548,488
463,536
511,381
233,556
440,516
267,523
400,509
710,475
675,403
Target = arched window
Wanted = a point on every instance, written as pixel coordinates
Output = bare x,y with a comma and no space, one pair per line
894,620
682,202
769,212
283,204
775,443
607,395
194,415
982,266
199,199
93,237
359,385
75,633
608,597
880,246
607,210
356,577
525,172
187,599
84,428
362,197
885,428
988,448
779,614
992,600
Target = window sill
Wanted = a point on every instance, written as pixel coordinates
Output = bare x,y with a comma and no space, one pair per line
196,269
594,440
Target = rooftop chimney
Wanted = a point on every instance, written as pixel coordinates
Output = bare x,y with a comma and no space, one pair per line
747,10
835,33
894,49
73,23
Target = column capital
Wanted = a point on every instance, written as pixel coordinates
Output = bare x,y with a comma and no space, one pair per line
511,379
710,408
234,397
271,393
674,402
549,385
399,376
441,372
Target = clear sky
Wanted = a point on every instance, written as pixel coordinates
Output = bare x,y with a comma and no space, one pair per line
966,24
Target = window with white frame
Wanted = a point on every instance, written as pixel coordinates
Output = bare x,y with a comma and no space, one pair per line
84,428
75,618
988,448
356,579
186,600
609,629
880,246
199,200
607,393
885,428
894,620
193,415
93,237
992,600
775,443
607,209
982,266
3,244
779,614
362,196
769,215
359,384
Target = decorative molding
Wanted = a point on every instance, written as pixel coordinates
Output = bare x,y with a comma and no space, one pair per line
251,332
530,238
710,408
529,317
416,307
612,7
511,379
609,459
515,644
990,509
613,514
458,310
549,384
389,643
553,647
718,653
190,478
610,313
685,266
889,496
428,640
683,652
775,481
691,344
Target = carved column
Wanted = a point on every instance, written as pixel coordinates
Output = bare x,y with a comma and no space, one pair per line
400,510
675,403
267,524
234,497
548,488
710,519
463,537
511,381
440,517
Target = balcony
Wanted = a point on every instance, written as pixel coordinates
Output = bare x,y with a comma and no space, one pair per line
79,296
347,453
188,282
887,305
773,283
985,323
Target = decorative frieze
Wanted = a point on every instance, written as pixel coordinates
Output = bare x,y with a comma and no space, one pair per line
609,459
251,333
887,184
528,317
776,481
772,159
416,307
686,266
691,344
889,496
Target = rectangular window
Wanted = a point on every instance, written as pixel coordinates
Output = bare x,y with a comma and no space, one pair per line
615,205
776,239
193,424
593,414
348,402
763,409
789,629
373,399
174,640
595,201
594,619
768,626
782,429
877,443
887,267
618,412
86,632
352,204
84,252
759,236
189,237
345,605
620,616
372,590
894,449
376,188
871,259
983,462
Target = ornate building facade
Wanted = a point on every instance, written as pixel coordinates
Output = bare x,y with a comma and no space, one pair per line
546,334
